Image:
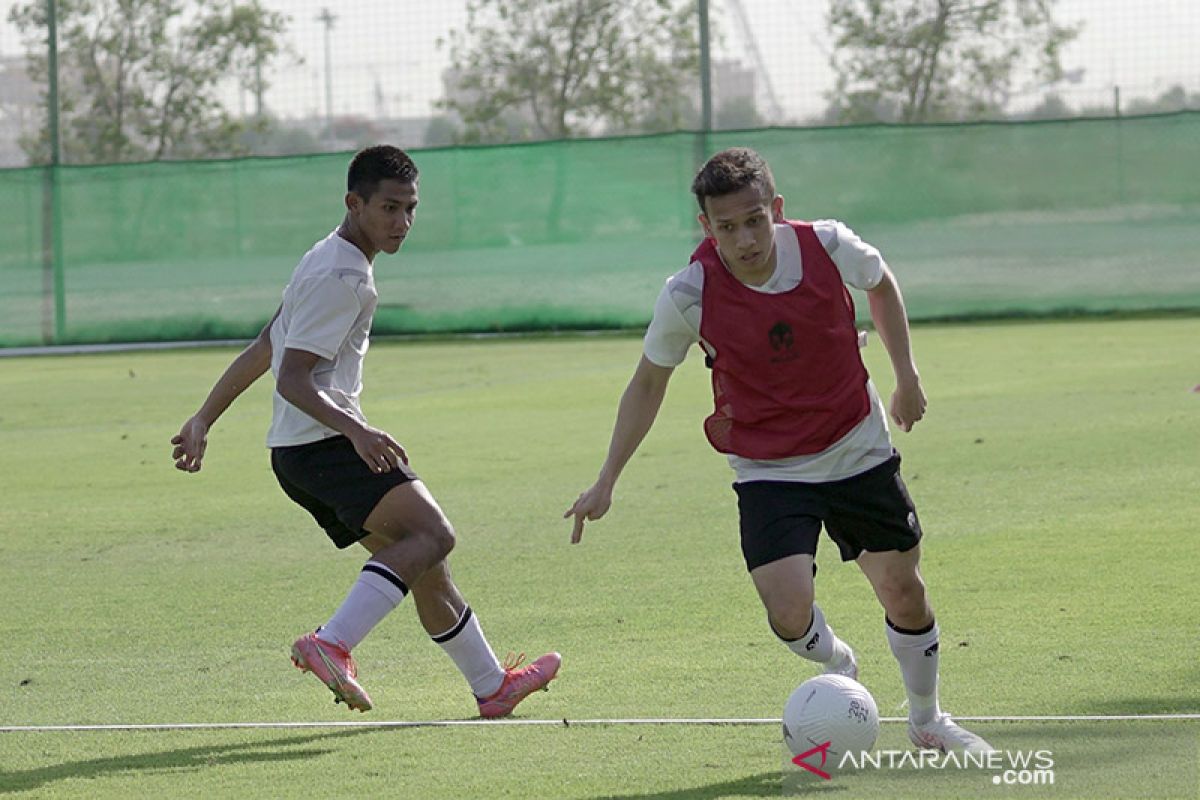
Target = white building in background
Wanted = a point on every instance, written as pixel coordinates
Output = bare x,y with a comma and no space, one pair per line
20,110
735,95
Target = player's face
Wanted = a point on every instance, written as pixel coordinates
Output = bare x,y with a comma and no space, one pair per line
742,223
388,216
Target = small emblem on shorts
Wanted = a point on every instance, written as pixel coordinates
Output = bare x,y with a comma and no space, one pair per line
912,520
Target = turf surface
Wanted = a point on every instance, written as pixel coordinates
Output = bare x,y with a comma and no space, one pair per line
1055,474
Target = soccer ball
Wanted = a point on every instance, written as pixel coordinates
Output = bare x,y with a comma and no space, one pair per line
830,709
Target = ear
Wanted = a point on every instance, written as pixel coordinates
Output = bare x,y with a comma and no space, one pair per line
704,224
353,202
777,209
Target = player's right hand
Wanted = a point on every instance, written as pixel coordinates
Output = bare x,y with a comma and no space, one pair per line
378,449
190,444
592,504
908,404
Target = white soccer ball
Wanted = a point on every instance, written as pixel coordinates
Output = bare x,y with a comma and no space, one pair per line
830,709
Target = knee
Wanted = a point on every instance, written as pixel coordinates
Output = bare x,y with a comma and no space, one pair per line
441,539
791,620
904,596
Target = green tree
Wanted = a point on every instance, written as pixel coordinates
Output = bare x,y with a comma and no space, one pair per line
277,137
441,131
138,79
1176,98
923,60
1051,106
569,67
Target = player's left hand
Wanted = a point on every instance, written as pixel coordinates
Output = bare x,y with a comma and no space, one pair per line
190,444
908,404
590,505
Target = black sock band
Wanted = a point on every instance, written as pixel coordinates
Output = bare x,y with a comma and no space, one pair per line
907,631
783,638
458,626
384,572
812,620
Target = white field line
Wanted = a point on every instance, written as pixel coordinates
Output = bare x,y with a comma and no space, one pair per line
461,723
130,347
190,344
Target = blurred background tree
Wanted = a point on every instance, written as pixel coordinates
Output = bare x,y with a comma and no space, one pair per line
544,69
139,79
928,60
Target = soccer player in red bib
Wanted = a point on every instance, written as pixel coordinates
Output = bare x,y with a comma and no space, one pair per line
798,417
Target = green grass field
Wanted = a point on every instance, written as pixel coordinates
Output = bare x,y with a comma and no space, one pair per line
1056,476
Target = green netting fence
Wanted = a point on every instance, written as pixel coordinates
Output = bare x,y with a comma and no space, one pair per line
978,220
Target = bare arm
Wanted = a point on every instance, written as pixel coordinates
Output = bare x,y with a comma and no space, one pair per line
635,415
891,322
192,439
295,384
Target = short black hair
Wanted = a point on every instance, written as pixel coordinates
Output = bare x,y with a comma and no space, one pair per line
382,162
731,171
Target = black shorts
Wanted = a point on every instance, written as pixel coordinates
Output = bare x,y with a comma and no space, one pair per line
336,486
870,511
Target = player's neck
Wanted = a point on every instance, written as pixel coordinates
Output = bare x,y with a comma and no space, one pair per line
758,275
350,232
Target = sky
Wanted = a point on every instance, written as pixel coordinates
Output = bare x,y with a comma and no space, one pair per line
385,59
1144,46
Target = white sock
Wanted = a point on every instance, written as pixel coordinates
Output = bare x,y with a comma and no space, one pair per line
372,597
819,643
918,657
472,654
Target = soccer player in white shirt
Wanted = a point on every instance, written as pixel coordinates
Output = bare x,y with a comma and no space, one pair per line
355,479
798,417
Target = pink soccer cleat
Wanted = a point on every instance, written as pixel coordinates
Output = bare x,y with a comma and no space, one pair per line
334,666
519,683
942,733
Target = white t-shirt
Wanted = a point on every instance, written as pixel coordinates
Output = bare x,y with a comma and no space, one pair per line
327,310
675,328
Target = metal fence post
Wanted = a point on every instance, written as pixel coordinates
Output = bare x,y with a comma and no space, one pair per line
54,307
705,85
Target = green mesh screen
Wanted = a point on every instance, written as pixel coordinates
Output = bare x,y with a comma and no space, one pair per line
977,220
